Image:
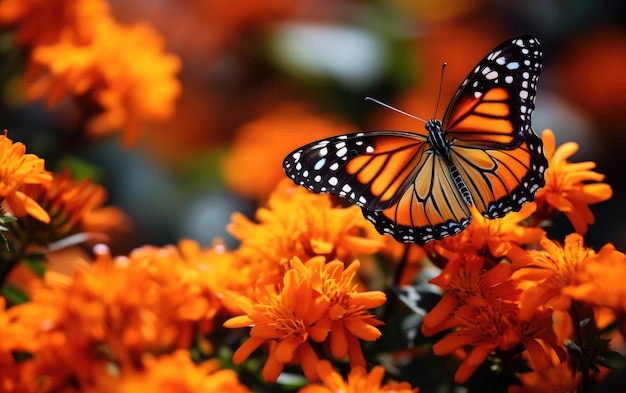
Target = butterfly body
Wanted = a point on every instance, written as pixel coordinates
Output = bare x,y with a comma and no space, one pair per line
419,186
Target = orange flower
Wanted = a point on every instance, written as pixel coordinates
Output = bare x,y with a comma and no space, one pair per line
570,187
600,281
359,381
550,270
19,169
122,72
42,22
261,145
116,310
495,239
72,206
285,318
558,378
347,316
175,372
484,307
298,223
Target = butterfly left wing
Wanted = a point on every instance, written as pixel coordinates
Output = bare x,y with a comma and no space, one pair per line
371,170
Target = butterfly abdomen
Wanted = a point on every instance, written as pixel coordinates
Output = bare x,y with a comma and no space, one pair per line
461,186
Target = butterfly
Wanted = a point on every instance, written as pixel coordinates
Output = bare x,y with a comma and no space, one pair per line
419,186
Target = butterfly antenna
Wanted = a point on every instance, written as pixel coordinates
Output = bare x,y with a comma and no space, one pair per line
443,67
394,109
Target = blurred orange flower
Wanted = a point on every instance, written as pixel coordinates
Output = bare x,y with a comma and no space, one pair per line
43,22
122,72
116,310
174,372
558,378
570,187
19,169
299,223
261,145
359,381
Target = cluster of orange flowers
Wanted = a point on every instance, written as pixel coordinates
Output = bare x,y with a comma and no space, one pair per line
118,75
119,323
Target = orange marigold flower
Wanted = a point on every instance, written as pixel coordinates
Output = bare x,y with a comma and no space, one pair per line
570,187
122,72
261,145
359,381
498,238
550,270
600,281
174,372
347,316
17,170
72,206
153,301
558,378
298,223
484,308
286,318
42,22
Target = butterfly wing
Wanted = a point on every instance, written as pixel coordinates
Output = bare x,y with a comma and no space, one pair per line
500,181
494,104
370,170
488,120
404,188
431,208
417,194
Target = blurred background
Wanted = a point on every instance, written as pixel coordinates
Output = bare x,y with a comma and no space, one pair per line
259,78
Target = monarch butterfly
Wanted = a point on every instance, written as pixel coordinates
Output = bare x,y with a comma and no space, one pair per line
419,187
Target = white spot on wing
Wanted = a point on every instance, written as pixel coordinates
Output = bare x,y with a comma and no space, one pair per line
512,65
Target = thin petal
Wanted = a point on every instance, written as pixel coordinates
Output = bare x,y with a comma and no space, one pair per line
238,322
244,351
362,330
338,341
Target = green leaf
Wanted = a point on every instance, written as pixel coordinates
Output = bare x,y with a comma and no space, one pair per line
13,294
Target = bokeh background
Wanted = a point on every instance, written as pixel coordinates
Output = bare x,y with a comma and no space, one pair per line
259,78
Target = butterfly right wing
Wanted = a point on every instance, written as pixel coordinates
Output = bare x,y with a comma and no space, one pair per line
493,106
431,208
